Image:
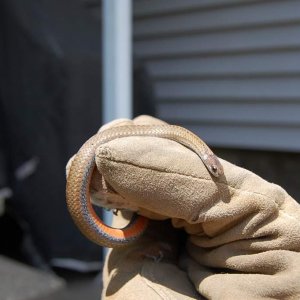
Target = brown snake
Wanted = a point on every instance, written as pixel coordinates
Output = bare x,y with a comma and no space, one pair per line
78,181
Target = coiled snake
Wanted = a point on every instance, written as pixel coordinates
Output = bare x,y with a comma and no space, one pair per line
78,181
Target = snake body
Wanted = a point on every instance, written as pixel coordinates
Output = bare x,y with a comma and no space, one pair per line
78,181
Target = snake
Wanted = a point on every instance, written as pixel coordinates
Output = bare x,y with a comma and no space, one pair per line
83,165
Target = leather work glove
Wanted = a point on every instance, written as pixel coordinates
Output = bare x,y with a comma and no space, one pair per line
233,237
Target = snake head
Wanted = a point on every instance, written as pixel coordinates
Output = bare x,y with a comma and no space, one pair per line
213,165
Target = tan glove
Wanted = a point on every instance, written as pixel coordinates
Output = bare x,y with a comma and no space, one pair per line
243,233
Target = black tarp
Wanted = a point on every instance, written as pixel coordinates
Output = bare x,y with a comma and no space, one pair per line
50,103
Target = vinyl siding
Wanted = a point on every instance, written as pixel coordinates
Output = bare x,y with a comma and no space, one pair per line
228,70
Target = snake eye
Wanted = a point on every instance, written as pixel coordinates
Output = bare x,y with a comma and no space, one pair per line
214,169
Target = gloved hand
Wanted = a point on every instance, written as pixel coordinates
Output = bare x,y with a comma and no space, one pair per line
241,233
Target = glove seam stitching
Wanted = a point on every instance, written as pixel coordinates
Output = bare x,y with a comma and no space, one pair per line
147,271
190,176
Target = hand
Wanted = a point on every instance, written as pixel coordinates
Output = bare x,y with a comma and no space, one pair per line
242,233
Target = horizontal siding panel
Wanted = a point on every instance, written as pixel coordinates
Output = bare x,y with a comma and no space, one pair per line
284,62
227,70
232,113
242,89
257,14
248,137
148,8
218,43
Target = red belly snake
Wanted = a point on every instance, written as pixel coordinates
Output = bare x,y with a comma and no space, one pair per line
79,177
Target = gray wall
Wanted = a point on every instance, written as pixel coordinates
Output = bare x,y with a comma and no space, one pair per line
227,69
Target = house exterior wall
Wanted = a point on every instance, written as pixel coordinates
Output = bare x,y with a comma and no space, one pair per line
229,70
